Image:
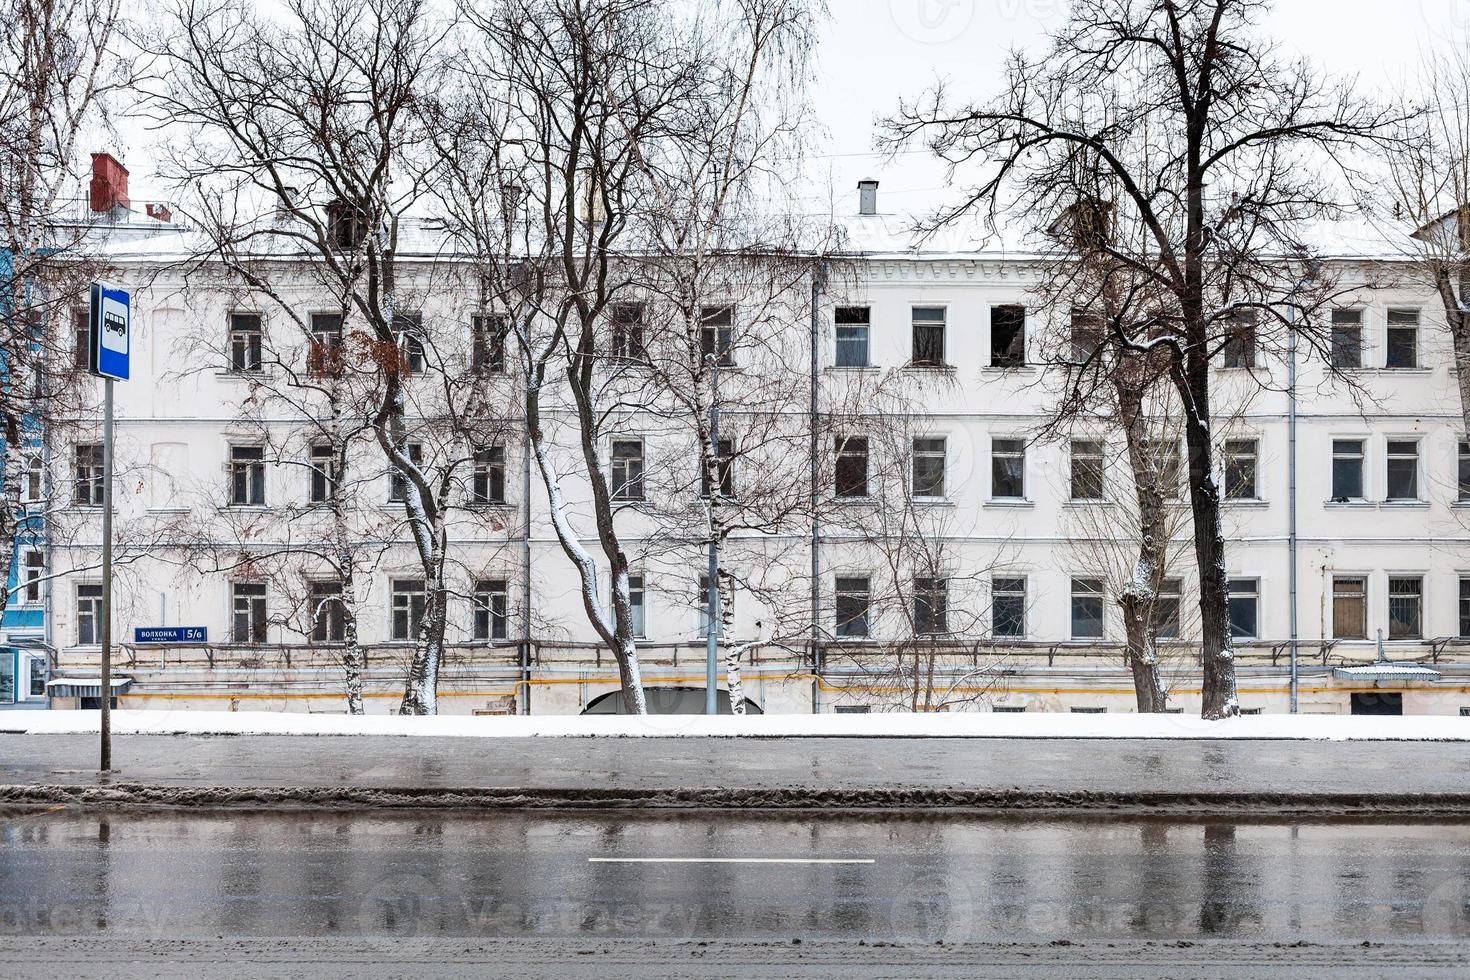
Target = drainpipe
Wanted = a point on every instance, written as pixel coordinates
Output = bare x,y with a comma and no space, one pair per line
819,281
526,564
1291,537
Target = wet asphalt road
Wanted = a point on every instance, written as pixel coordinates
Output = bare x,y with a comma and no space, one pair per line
167,893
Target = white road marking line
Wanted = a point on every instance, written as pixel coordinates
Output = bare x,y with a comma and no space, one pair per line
605,860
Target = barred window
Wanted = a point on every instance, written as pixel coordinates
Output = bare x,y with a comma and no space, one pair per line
1405,607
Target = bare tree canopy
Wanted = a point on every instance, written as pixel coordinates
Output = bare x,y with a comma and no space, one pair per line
1196,159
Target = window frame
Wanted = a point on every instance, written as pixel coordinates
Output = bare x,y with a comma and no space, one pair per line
93,478
842,452
927,612
87,603
247,475
328,614
1415,486
487,476
1238,352
409,604
1416,598
845,587
715,338
627,488
1231,458
408,334
323,480
253,348
939,327
324,354
1010,592
397,482
1009,454
487,343
1360,456
860,331
30,589
1249,591
1014,354
255,607
942,455
490,610
1087,588
1389,347
1361,595
1341,328
1097,473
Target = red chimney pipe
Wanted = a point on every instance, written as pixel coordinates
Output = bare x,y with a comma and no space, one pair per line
109,183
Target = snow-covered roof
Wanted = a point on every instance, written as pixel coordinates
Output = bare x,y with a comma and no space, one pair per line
1386,671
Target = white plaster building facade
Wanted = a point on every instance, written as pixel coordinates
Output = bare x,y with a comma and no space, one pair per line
1382,499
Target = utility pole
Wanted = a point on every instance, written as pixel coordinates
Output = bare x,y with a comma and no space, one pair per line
109,351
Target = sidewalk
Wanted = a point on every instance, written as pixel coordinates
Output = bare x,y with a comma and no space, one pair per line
1327,773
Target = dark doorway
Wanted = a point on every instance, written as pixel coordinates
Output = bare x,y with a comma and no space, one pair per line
1378,703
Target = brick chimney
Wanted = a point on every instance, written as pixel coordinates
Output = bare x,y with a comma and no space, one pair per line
109,183
159,212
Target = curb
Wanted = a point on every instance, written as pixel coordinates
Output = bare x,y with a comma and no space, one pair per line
986,801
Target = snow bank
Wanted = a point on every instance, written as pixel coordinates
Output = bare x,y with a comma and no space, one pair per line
958,725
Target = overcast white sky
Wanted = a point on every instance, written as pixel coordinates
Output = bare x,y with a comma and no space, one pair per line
878,50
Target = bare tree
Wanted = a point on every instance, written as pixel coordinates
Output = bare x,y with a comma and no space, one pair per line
1174,123
317,118
1428,212
61,64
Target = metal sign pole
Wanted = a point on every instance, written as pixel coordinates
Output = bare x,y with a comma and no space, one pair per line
106,692
712,635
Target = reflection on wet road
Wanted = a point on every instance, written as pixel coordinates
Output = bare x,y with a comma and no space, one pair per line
931,878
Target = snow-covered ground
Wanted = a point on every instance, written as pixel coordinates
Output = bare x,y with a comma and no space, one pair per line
958,725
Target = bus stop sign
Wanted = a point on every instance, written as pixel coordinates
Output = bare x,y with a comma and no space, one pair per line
111,332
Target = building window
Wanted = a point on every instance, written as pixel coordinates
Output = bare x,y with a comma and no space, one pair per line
1402,349
247,476
81,332
723,460
245,342
1464,471
347,226
1346,339
1350,607
33,487
851,709
325,478
487,482
1087,334
32,568
409,600
1167,607
1244,599
627,332
727,612
397,482
931,606
1008,469
717,333
1087,469
487,343
1008,607
491,604
324,357
1241,468
928,466
328,613
1405,607
1239,350
1464,607
87,474
928,336
1007,336
89,615
627,469
1403,469
852,466
854,599
637,605
409,329
248,603
1347,470
1162,458
1087,609
852,336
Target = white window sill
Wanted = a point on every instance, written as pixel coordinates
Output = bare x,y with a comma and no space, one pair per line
242,375
1073,503
253,508
853,369
1011,503
865,501
1246,503
1354,503
1012,369
933,502
931,368
1404,505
